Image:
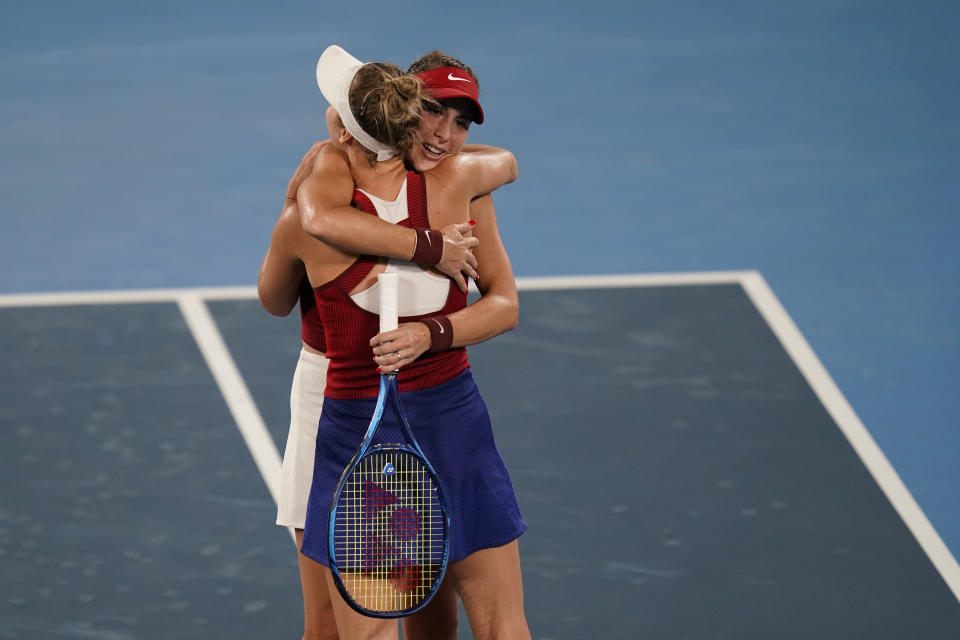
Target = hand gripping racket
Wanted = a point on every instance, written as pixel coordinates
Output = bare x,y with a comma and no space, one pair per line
389,530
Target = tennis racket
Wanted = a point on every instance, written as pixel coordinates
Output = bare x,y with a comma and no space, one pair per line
389,530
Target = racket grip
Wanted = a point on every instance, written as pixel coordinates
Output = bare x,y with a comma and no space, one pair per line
388,301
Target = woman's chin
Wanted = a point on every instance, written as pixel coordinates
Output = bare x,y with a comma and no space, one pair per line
421,161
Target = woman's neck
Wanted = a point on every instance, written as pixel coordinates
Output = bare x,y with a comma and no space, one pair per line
383,179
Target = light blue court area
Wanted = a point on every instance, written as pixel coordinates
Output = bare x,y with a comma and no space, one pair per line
698,475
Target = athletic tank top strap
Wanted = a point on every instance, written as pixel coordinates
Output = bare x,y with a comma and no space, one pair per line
416,200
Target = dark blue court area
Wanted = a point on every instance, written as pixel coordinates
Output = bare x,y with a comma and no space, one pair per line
679,464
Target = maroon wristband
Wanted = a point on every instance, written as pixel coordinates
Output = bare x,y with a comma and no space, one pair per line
429,249
441,333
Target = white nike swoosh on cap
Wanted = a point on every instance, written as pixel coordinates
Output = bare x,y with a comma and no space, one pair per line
450,76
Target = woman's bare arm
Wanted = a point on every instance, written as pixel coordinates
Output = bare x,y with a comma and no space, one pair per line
325,213
278,283
497,310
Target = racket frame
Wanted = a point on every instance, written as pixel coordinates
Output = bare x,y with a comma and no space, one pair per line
388,391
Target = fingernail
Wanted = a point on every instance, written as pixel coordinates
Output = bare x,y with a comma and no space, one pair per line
472,222
379,370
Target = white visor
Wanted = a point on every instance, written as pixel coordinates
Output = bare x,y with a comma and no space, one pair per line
335,71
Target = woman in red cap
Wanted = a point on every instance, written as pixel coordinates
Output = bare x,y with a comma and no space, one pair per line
443,131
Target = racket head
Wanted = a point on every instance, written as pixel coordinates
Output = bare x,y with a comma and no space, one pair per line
389,533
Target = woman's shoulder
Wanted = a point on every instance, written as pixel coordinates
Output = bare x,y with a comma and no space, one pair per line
454,170
476,173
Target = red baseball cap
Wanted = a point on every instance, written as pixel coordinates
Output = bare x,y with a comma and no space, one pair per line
450,82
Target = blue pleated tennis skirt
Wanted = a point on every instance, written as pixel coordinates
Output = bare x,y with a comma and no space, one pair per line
452,426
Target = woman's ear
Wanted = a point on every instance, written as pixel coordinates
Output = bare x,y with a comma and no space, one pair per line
335,126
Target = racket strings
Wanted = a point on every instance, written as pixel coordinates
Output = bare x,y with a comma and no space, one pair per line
389,532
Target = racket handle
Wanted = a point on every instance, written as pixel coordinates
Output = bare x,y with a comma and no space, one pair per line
388,301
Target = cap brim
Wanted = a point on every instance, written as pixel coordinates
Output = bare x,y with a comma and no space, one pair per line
334,74
446,93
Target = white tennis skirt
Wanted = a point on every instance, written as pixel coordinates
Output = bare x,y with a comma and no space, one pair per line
306,401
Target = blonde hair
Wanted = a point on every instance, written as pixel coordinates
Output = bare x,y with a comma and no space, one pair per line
387,103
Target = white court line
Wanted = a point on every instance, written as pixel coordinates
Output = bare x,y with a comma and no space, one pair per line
856,433
136,296
234,390
632,280
268,459
131,296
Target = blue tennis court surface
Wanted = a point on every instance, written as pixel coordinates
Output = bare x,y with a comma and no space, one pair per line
685,464
815,142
